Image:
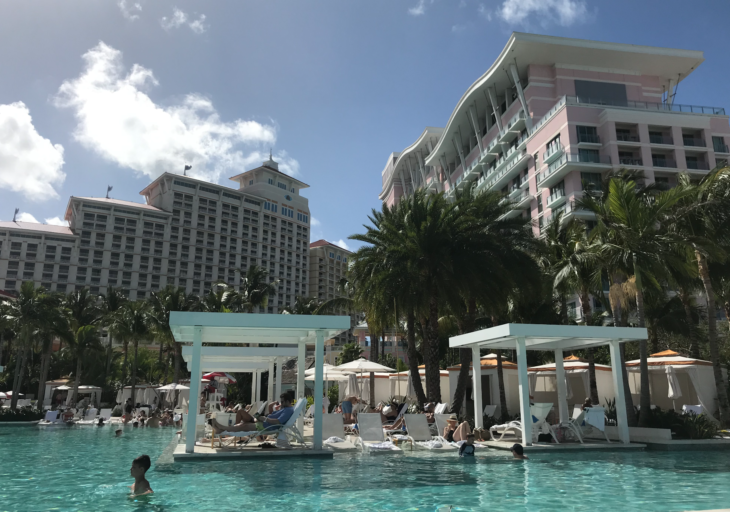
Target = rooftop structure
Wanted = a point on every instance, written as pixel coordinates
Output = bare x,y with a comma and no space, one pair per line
553,115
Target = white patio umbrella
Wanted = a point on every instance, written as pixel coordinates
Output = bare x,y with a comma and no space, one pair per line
362,365
3,396
10,393
172,387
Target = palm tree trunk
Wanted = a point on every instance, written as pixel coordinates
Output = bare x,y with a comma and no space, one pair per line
694,346
500,382
77,381
465,355
726,305
413,357
433,372
722,398
617,280
19,371
108,359
585,306
644,396
125,348
45,365
2,346
653,337
134,372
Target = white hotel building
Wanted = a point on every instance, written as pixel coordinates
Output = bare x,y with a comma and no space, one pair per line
189,233
552,114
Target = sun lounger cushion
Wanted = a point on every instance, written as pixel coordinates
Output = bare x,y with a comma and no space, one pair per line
432,445
387,445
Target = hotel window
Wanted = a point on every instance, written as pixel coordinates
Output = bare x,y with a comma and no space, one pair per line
718,144
590,180
282,185
250,182
271,181
588,134
332,255
339,258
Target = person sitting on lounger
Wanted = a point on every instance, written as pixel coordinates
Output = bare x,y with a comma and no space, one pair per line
279,417
429,410
453,433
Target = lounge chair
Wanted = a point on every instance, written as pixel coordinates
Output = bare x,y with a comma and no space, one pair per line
372,440
401,413
333,429
538,412
309,415
441,409
106,414
586,422
289,429
420,435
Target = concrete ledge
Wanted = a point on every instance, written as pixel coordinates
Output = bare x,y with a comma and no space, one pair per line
690,444
18,423
202,453
637,434
566,447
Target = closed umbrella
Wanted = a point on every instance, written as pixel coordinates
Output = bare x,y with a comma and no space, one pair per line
353,387
410,391
674,389
3,396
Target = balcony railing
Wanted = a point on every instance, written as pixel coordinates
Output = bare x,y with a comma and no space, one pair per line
589,138
693,142
623,137
721,148
663,162
698,165
552,150
633,162
661,139
573,158
646,105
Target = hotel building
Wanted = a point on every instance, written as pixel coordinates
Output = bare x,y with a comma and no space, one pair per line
552,115
188,233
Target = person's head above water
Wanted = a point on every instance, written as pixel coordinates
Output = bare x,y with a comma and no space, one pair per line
118,432
517,451
140,465
470,438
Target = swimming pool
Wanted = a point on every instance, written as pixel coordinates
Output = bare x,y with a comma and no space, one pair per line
87,468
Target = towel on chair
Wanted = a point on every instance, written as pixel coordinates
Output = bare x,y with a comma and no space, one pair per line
334,439
387,445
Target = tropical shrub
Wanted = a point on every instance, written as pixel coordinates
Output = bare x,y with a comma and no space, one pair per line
334,396
24,414
684,426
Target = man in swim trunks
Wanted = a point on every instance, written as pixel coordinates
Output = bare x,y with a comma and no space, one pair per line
279,417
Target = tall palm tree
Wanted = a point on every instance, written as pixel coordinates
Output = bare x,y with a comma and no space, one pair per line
111,303
28,316
132,324
634,238
81,310
702,219
51,320
161,304
255,289
222,298
82,342
302,306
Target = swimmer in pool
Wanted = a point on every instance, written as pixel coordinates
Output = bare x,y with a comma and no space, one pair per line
140,465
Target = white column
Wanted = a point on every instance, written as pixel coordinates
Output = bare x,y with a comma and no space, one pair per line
525,412
301,360
194,402
562,387
318,389
618,386
495,107
279,366
270,382
258,385
521,95
476,375
474,118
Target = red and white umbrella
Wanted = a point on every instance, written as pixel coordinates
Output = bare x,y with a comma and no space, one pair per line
220,376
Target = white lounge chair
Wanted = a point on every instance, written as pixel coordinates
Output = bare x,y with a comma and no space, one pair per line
538,413
371,439
586,422
401,413
289,429
106,414
309,415
420,435
441,409
333,429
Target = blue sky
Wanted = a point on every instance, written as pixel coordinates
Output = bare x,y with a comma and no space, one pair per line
96,93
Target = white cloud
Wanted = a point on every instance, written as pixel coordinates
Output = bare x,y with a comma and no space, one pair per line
117,120
420,8
180,18
29,164
457,29
484,12
315,222
26,217
56,221
130,10
563,12
342,244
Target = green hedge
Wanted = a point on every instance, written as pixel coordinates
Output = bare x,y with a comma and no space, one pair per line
24,414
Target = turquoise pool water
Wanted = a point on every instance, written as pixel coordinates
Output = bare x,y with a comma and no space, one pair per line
86,468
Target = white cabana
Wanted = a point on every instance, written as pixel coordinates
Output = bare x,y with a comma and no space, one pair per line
490,383
676,381
399,383
283,335
543,382
143,394
523,337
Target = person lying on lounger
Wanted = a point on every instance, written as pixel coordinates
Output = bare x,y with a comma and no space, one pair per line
251,424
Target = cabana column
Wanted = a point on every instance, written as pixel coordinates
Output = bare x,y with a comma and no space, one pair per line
279,365
301,358
618,384
561,385
194,403
318,389
270,382
525,413
476,373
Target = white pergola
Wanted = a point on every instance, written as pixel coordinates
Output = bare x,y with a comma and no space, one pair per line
253,329
524,337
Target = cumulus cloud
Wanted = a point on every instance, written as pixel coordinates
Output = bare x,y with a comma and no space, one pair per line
420,8
117,120
56,221
29,163
315,222
179,18
484,12
26,217
563,12
342,244
130,10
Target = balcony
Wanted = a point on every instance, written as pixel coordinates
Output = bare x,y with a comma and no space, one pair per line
721,148
556,199
698,165
631,162
694,142
504,172
525,181
553,152
663,162
512,128
625,137
491,152
661,139
569,162
646,105
585,138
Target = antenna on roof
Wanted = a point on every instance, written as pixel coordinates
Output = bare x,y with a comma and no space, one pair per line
108,189
271,157
16,213
187,168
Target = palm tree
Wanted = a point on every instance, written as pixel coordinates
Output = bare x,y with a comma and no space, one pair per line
51,319
111,303
81,341
161,304
350,352
702,220
632,238
302,306
132,324
222,298
255,291
28,316
80,310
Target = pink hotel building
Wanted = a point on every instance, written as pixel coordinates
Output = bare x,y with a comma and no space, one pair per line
554,114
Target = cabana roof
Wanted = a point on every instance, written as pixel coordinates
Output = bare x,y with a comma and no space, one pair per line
255,328
547,337
669,357
236,359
